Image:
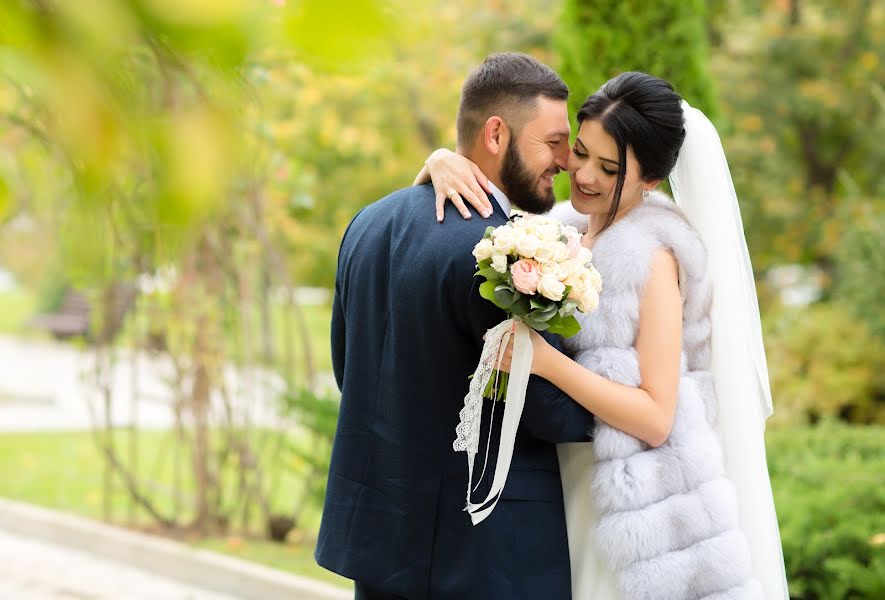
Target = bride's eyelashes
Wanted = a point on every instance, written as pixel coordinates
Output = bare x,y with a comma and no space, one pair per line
605,170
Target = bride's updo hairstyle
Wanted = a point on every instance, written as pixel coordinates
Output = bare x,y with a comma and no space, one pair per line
643,113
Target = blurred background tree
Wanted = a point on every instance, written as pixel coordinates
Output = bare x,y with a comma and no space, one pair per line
597,40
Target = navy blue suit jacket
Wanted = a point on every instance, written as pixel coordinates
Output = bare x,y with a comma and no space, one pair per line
407,329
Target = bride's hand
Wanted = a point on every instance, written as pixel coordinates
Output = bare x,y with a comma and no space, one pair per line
457,178
540,353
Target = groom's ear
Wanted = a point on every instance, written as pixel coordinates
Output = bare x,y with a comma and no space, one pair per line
496,135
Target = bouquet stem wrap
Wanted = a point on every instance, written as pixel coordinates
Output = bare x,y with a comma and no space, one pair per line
468,430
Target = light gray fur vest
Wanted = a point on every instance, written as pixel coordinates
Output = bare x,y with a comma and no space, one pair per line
668,516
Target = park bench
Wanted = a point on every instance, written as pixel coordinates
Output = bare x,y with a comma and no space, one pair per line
73,316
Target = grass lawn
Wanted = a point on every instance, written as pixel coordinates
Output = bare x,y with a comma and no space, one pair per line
16,307
63,471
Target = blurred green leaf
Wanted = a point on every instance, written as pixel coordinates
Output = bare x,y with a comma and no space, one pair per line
340,35
5,198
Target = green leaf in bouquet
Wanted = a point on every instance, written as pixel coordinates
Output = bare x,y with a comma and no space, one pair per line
507,277
539,303
483,264
521,307
545,315
568,308
566,327
505,296
489,273
488,233
536,324
487,290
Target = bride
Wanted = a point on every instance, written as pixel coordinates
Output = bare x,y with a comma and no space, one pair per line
672,498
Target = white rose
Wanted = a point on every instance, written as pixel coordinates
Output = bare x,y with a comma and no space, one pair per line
525,226
528,245
499,262
570,271
578,285
547,252
550,268
562,253
483,250
551,287
589,301
549,232
504,239
594,279
584,255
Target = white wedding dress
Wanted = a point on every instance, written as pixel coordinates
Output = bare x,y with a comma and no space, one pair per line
703,189
591,576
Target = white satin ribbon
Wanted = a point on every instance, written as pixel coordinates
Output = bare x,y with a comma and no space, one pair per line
496,340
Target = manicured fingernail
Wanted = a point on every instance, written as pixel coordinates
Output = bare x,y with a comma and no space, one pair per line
487,214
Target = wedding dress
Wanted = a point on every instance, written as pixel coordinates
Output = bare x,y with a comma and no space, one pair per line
694,518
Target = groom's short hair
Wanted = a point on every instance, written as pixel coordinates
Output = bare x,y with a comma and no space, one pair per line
507,85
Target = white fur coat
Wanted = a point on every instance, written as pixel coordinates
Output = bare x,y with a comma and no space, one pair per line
668,516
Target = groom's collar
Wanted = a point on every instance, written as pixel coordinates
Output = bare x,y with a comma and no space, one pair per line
501,198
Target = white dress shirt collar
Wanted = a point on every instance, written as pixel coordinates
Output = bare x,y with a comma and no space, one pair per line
501,198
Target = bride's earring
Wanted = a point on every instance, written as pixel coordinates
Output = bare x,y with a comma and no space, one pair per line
645,194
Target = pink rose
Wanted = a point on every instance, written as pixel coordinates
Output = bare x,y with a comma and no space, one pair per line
525,276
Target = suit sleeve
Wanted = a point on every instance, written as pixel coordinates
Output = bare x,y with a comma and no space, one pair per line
339,302
549,414
339,337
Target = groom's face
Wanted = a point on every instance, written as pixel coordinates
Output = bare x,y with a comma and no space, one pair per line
537,153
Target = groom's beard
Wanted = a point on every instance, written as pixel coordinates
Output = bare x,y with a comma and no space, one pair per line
521,186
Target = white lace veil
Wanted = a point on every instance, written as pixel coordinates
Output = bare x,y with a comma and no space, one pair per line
703,188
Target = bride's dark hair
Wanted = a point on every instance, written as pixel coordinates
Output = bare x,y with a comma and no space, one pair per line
643,113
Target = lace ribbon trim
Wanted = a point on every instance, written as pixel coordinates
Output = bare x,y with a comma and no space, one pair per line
467,431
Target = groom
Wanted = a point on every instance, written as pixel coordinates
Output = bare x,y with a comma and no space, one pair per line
407,331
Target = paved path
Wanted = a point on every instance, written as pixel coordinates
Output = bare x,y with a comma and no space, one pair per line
48,386
36,570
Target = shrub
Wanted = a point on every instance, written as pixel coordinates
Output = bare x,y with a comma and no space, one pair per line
825,364
829,488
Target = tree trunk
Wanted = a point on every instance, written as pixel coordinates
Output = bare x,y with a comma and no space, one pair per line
200,408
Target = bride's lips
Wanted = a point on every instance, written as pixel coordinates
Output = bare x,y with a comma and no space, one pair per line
585,192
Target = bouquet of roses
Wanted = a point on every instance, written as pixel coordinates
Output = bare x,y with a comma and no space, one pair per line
537,270
539,273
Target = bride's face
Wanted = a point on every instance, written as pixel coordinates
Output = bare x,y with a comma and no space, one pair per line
593,168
